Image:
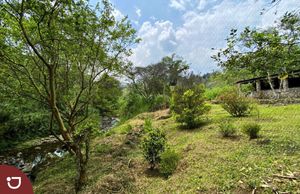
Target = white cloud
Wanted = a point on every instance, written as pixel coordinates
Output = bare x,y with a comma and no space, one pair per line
138,12
202,4
202,30
179,4
158,40
117,14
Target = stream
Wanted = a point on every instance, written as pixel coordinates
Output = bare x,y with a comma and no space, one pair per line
31,160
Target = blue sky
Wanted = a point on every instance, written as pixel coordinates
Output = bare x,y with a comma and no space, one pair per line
190,28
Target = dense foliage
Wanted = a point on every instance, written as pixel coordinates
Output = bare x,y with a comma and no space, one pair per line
56,52
189,106
169,162
106,96
131,104
252,130
215,92
235,104
153,144
150,86
22,122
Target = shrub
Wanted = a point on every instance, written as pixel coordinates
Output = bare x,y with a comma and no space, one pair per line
159,102
147,125
252,130
215,92
153,144
131,104
169,162
227,129
189,106
235,105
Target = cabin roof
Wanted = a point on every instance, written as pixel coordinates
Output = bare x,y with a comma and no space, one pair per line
265,77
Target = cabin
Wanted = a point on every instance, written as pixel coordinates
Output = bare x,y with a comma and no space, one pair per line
289,87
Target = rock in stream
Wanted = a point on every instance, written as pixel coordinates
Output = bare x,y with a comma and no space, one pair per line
31,160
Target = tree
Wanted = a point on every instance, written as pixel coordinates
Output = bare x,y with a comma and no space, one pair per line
156,79
176,66
57,50
150,80
264,52
189,80
107,93
150,89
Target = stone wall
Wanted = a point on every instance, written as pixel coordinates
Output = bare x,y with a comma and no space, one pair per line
266,94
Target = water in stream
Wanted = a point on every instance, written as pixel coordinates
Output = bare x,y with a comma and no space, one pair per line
31,160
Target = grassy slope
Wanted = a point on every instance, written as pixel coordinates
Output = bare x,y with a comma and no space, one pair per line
209,163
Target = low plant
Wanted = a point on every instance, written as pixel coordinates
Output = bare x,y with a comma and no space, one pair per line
103,148
235,104
227,129
153,144
147,125
169,162
252,130
126,129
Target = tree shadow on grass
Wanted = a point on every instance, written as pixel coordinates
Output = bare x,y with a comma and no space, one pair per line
231,137
154,173
197,128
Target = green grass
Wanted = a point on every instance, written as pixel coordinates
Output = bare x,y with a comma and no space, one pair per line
208,164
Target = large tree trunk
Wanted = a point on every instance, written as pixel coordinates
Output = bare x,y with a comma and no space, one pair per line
82,159
81,170
73,146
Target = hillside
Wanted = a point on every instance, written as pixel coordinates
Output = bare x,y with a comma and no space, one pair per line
208,164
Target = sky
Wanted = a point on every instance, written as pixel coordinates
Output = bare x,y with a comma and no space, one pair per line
191,28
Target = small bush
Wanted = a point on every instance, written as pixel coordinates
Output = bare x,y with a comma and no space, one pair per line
169,162
189,106
227,129
153,144
252,130
235,105
147,125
